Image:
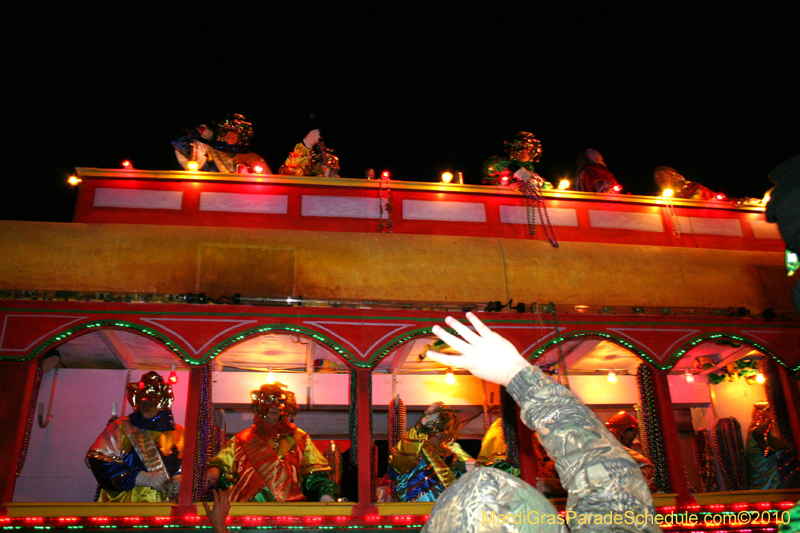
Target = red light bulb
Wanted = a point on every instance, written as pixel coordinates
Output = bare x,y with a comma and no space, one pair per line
720,196
617,188
173,377
258,169
385,175
127,165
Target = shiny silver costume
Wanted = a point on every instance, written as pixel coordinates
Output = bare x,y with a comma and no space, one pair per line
607,492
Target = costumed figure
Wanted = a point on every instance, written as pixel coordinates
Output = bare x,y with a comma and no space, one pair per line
311,158
427,460
222,150
668,178
626,428
494,453
273,460
138,458
770,465
593,175
523,150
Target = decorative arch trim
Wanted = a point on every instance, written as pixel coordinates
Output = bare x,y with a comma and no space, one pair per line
711,336
387,348
112,324
536,354
337,348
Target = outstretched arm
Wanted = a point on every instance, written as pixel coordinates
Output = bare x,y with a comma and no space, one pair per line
599,474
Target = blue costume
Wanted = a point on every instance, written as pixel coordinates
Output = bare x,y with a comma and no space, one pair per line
421,470
138,459
226,151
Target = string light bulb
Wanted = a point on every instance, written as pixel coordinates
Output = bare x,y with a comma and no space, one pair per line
688,376
192,166
270,377
173,377
74,180
563,184
447,177
667,193
449,378
612,376
127,165
760,378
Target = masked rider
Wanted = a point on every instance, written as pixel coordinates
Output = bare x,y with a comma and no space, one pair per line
138,458
427,460
523,150
273,460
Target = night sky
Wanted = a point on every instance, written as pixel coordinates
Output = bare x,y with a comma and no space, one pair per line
712,91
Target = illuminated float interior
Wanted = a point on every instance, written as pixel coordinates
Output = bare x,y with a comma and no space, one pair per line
314,281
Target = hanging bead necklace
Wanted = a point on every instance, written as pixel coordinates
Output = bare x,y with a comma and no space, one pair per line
534,201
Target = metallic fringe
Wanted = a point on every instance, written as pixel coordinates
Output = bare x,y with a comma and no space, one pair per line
646,451
652,428
396,421
200,490
510,432
704,456
730,453
333,454
777,403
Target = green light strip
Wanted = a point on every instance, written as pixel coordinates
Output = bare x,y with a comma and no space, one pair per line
169,343
536,354
705,337
387,348
337,348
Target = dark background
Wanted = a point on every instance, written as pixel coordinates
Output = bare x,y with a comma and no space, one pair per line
709,88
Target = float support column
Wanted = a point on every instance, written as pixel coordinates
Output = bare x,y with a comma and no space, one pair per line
365,505
185,505
671,442
16,389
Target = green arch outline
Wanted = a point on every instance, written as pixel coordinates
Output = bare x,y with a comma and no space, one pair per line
537,353
301,330
688,345
379,354
112,324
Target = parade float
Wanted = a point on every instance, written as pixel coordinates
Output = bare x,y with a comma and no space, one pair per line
675,311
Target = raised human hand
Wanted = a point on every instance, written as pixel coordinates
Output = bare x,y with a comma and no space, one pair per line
217,515
311,138
484,353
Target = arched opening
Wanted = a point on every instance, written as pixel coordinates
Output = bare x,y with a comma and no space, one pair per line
84,372
745,417
718,384
309,365
406,377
